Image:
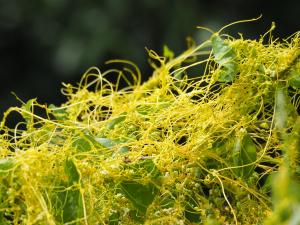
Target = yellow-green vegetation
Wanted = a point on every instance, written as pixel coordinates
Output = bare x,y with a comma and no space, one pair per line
211,138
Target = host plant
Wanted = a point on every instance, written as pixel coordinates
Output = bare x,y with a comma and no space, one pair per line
211,138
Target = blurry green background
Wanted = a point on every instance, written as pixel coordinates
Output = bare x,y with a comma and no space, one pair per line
46,42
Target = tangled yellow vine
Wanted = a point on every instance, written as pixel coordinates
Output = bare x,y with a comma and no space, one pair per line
211,138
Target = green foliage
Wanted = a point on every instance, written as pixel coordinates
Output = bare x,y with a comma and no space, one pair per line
115,121
58,113
6,164
82,144
244,154
67,199
293,73
141,195
105,142
294,80
71,172
225,56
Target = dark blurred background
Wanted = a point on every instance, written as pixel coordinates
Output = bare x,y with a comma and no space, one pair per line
46,42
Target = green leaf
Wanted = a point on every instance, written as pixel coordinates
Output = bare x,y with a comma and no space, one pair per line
178,75
67,204
223,53
167,53
281,106
294,78
109,144
292,148
114,218
28,107
6,164
267,186
29,104
140,195
167,201
73,208
71,171
122,150
58,113
82,144
66,200
145,167
190,213
295,82
225,56
117,120
244,152
228,73
105,142
144,109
